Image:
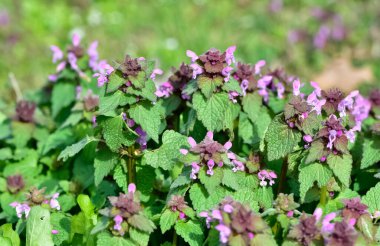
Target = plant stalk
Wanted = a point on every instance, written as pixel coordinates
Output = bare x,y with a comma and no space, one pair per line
175,237
284,170
131,165
323,199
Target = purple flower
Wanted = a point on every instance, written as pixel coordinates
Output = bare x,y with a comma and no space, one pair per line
196,70
230,55
93,55
224,231
265,175
177,203
316,103
164,90
25,111
320,39
308,138
226,72
343,234
94,124
332,138
55,232
15,183
131,188
76,39
260,64
280,90
57,53
195,170
21,208
327,226
54,204
142,139
104,70
296,87
52,77
118,220
155,72
60,66
262,84
244,86
232,96
73,61
192,55
354,208
78,90
204,214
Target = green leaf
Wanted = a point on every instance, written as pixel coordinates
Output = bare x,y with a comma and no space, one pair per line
145,179
280,138
61,223
251,105
106,239
86,205
166,156
142,223
60,138
371,152
117,134
264,196
210,182
190,231
311,124
309,174
208,85
148,116
202,201
247,196
341,167
232,85
149,90
108,103
231,179
141,238
114,82
168,219
315,152
263,240
120,177
245,129
372,199
63,95
38,228
74,149
104,163
216,113
22,133
7,232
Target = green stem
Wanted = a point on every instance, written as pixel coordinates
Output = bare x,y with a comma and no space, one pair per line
131,165
284,170
323,196
174,238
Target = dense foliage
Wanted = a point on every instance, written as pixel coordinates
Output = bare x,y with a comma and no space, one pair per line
221,152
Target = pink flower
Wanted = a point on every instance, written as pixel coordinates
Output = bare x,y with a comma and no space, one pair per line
155,72
93,55
210,165
232,96
216,214
76,39
57,53
230,55
296,87
195,170
327,226
118,220
94,124
228,208
196,70
104,70
280,90
308,138
207,216
262,84
259,65
54,204
332,138
316,103
316,87
132,188
227,73
265,175
164,90
192,55
54,232
21,208
244,86
224,231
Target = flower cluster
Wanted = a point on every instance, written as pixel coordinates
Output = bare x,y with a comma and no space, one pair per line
15,183
266,176
36,197
235,220
76,52
25,111
178,203
211,154
285,204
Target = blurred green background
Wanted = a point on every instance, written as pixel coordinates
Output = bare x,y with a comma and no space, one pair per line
165,29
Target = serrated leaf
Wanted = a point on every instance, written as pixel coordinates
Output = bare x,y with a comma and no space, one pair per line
120,177
263,240
190,231
106,239
231,179
210,182
311,124
141,238
372,199
341,167
247,196
142,223
63,95
114,82
371,152
202,201
117,134
217,112
251,105
168,153
182,179
280,138
148,116
61,223
264,196
232,85
38,228
245,129
145,178
148,91
7,232
309,174
104,163
60,138
168,219
22,133
208,85
74,149
315,152
108,103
